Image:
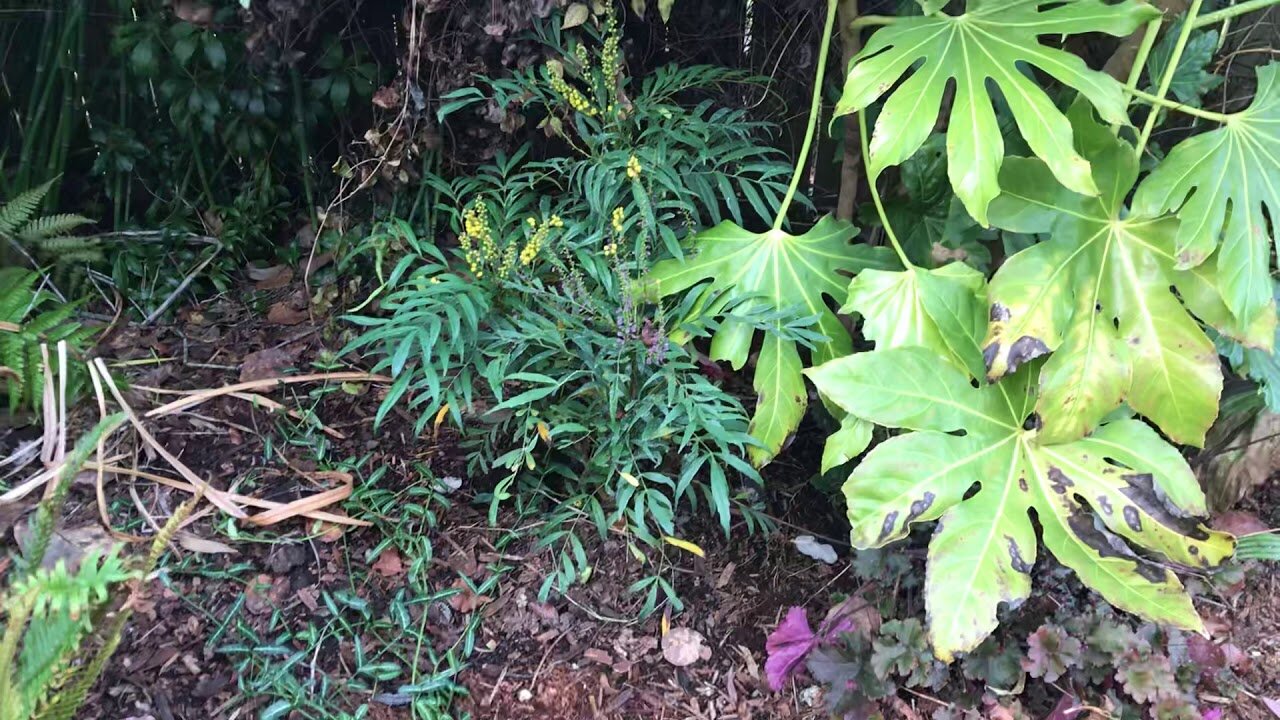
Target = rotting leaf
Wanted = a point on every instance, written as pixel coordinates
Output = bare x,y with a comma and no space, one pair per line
983,482
1097,295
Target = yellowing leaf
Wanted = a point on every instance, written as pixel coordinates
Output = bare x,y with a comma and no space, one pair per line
1096,295
544,433
631,479
684,545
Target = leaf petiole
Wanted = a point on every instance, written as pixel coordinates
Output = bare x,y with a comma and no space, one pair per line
1229,12
1150,99
872,20
1167,79
814,106
875,194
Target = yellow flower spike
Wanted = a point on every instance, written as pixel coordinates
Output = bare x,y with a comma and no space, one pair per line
684,545
633,167
533,222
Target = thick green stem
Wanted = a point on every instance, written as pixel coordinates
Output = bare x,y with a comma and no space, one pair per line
875,195
1144,51
1179,107
1227,13
1139,62
1167,79
824,47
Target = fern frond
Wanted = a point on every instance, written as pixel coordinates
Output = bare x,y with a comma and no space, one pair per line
58,590
48,647
16,294
18,210
45,231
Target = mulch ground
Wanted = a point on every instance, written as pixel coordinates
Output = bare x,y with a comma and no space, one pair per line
581,655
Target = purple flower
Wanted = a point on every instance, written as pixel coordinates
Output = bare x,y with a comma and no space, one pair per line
1214,714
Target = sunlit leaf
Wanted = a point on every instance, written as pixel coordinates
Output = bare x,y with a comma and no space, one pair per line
777,271
991,42
1096,294
1224,185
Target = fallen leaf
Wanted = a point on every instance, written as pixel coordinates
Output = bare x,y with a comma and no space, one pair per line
1273,705
597,655
388,563
316,263
67,544
204,546
684,646
265,593
264,364
726,575
270,278
809,546
1239,522
465,600
282,314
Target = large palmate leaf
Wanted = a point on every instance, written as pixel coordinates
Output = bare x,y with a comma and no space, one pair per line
1090,496
938,309
1221,183
1097,294
777,271
992,42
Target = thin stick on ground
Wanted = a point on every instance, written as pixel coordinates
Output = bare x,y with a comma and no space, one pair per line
203,395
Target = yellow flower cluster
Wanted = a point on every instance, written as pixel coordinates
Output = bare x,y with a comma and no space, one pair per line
534,245
477,239
569,93
610,58
611,249
618,218
633,167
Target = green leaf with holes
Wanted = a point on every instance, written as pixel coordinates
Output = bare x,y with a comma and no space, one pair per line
968,462
994,41
1224,184
777,271
1096,294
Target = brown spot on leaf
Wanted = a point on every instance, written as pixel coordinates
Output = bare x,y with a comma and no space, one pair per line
1104,504
1141,490
921,506
1015,557
999,313
890,522
1109,546
1024,349
1132,519
1022,484
1060,481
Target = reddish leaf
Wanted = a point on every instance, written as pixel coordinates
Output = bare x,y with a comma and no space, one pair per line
1239,522
787,647
388,564
282,314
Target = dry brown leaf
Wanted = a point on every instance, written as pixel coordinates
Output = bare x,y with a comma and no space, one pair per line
1251,456
282,313
466,601
270,278
204,546
68,544
388,564
263,364
684,646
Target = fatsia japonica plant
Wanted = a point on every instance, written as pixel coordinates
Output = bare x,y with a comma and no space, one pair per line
1040,406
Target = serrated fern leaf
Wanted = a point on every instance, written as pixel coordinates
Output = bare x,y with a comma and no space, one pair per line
51,227
19,210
